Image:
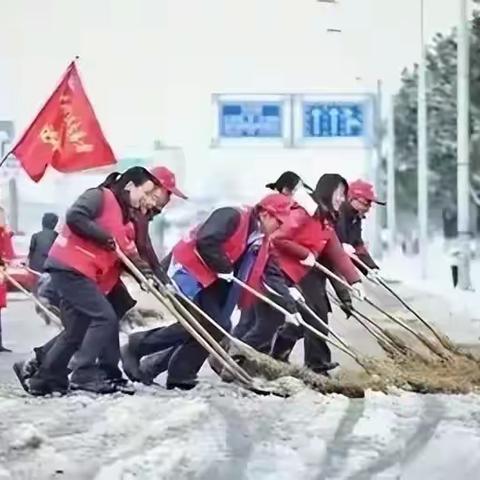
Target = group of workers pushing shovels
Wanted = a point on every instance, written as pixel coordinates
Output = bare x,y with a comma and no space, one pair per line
271,260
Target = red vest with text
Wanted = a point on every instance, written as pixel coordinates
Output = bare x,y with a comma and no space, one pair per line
87,257
185,253
313,235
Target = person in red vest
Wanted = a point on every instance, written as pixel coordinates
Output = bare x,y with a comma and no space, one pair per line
259,334
361,196
85,270
298,246
102,375
232,241
6,254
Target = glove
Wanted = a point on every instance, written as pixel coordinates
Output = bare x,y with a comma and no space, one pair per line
227,277
347,307
374,275
309,261
144,267
294,319
110,244
349,249
359,291
296,295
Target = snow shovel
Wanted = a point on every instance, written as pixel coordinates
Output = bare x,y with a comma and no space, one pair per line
376,278
56,321
417,335
302,323
209,319
386,343
196,330
303,304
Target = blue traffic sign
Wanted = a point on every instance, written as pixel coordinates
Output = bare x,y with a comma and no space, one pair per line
251,119
333,119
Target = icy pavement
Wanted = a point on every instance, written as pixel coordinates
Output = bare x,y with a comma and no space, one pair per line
219,431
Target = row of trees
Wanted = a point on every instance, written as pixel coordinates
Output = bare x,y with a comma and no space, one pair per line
442,121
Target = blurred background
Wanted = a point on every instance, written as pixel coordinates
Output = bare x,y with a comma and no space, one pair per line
229,94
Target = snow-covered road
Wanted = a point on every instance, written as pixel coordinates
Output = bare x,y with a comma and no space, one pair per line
219,431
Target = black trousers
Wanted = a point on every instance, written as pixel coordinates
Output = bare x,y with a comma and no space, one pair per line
317,351
107,363
246,322
265,322
184,355
84,306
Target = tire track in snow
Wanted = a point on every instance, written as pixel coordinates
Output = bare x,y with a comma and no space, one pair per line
430,417
241,438
338,447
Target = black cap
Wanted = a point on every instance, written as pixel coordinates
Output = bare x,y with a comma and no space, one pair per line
287,179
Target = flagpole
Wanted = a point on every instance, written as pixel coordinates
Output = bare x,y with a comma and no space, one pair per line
4,159
72,63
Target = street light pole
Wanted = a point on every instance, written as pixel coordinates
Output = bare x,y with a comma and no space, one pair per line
391,210
463,148
422,169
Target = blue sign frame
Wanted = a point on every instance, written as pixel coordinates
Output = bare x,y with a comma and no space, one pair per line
328,119
251,119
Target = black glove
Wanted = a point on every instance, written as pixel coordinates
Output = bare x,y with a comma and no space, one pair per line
347,307
110,244
145,269
162,276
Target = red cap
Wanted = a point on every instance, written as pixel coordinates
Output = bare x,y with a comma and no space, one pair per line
166,178
277,205
363,190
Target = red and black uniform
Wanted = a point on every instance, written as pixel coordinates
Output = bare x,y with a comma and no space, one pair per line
293,243
6,254
222,244
85,271
349,230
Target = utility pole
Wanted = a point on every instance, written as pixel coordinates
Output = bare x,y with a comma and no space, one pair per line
391,211
376,174
463,148
422,167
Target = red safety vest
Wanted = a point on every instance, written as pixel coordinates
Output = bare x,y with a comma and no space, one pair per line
90,259
313,235
185,253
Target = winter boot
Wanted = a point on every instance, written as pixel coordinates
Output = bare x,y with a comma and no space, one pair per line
122,385
154,365
23,373
324,368
130,363
181,384
38,386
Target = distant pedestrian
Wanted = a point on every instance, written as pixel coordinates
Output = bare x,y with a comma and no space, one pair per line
41,242
6,254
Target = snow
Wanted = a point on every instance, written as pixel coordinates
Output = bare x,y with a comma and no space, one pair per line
461,309
220,431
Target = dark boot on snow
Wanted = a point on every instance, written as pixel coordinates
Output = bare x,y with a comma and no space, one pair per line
181,384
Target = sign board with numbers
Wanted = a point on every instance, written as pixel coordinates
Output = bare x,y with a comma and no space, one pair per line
333,120
242,120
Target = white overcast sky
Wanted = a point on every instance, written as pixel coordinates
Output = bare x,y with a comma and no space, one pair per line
129,48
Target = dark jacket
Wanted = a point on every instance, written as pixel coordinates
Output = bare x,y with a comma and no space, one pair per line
41,242
349,230
221,224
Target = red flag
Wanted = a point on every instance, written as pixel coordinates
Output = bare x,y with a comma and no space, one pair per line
65,134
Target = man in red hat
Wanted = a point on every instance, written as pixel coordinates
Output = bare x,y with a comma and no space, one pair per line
93,371
231,242
361,196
